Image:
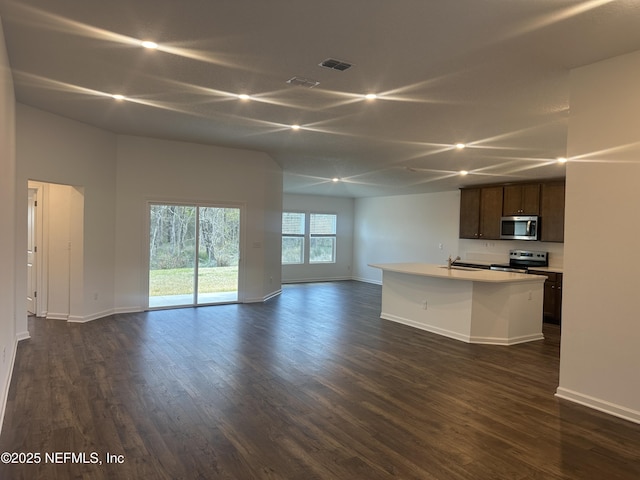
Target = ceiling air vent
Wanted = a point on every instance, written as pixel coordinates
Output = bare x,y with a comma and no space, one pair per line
303,82
336,64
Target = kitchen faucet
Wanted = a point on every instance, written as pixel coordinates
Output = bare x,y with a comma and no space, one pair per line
450,262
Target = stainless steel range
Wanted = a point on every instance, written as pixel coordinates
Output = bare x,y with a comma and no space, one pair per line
521,260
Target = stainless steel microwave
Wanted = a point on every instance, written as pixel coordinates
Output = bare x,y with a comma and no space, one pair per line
519,227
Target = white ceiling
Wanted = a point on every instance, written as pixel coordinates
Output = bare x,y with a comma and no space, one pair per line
490,73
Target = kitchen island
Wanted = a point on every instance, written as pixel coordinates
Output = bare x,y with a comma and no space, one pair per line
471,305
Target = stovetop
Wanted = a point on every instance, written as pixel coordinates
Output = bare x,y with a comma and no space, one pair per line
521,260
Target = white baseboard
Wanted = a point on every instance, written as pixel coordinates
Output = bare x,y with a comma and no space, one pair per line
367,280
91,317
316,280
22,336
128,310
599,404
57,316
98,315
263,299
272,295
7,384
427,328
509,341
460,336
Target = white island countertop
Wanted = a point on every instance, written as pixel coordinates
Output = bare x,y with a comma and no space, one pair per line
457,273
472,305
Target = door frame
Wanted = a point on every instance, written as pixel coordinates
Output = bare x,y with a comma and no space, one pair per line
32,250
146,239
40,235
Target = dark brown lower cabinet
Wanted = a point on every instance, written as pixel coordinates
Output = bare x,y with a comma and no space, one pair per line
552,308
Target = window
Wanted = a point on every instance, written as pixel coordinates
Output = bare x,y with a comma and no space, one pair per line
293,230
322,232
318,228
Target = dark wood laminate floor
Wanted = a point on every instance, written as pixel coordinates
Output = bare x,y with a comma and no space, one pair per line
310,385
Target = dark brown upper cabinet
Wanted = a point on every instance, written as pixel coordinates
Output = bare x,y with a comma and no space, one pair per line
552,212
482,207
521,199
469,213
480,212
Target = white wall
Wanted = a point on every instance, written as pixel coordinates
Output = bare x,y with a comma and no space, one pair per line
600,350
271,230
405,228
8,331
58,251
342,268
168,171
54,149
109,173
61,253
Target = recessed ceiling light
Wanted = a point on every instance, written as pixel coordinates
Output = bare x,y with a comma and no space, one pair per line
371,96
244,96
148,44
118,97
460,146
464,172
295,127
303,82
562,160
335,179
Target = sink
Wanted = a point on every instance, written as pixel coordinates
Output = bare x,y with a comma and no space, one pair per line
466,269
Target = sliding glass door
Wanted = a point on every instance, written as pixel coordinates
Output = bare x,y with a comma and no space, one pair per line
194,254
218,254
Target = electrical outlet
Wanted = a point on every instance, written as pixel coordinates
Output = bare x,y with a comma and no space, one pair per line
424,305
4,354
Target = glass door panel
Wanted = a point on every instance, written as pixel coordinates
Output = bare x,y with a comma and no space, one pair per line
218,254
194,254
172,254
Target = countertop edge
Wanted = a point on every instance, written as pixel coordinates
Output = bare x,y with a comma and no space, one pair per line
441,271
549,268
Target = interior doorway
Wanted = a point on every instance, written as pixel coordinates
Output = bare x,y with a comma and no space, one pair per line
55,260
194,254
32,252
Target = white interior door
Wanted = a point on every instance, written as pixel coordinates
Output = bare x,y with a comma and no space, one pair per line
32,250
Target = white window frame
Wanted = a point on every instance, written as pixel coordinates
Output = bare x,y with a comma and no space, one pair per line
296,235
333,236
308,236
